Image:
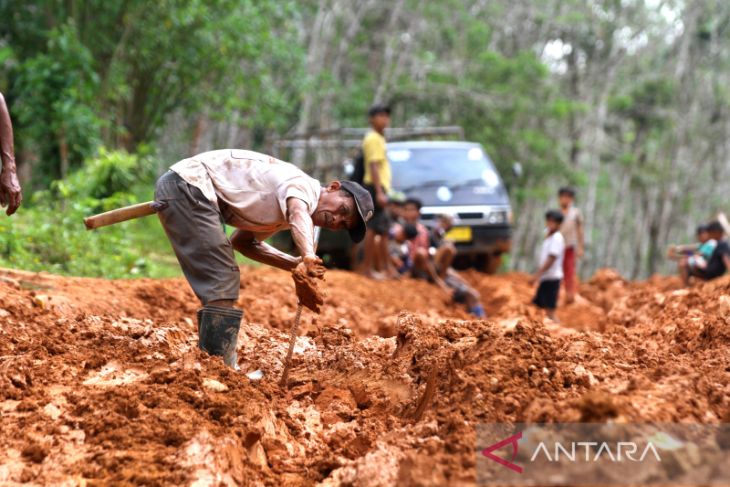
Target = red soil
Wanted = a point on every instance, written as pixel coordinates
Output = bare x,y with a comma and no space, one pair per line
101,381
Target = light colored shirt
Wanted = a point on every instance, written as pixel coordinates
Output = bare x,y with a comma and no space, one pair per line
553,245
249,188
569,228
373,151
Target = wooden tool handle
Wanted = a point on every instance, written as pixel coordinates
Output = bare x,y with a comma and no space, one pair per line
119,215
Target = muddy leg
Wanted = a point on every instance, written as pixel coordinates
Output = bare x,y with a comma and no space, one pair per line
444,257
684,271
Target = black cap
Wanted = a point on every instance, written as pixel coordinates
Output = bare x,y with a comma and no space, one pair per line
378,108
365,208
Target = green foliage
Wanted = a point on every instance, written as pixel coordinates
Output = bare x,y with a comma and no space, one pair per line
55,94
608,95
104,179
50,234
115,71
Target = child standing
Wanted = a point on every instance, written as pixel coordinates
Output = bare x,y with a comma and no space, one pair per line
550,272
572,230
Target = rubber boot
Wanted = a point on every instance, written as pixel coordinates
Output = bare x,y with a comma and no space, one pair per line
218,332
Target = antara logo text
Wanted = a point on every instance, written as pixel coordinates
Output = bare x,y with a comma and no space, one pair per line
576,451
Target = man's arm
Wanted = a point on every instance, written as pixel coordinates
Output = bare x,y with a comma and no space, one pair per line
245,243
382,200
676,252
10,194
302,228
302,232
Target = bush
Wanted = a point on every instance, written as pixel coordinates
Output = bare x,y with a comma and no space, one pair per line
48,234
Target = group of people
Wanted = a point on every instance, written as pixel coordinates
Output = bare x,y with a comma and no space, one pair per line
260,195
708,259
396,243
425,253
562,245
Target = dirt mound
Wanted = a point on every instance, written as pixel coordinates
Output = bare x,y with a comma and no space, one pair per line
102,380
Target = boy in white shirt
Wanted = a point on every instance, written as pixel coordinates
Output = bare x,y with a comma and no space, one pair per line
550,272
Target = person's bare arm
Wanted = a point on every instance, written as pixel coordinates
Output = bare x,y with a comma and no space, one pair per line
676,252
382,200
10,193
548,262
431,270
726,258
302,232
302,228
245,243
580,251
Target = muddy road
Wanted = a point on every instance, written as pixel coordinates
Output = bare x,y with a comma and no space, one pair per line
101,381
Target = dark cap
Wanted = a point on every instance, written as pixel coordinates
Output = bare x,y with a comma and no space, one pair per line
365,208
377,109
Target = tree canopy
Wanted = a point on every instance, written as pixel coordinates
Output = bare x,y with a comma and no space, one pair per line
627,100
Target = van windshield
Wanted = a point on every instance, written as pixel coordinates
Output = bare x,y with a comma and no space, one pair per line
413,168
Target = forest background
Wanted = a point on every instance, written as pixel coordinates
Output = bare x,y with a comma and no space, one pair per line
627,100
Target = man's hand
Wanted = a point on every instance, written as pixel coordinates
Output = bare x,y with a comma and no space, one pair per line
10,194
306,287
579,252
382,200
314,266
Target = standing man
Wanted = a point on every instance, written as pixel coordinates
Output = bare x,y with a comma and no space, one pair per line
10,193
259,195
377,180
572,231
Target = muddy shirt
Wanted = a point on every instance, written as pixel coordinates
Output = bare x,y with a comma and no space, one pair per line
249,188
569,228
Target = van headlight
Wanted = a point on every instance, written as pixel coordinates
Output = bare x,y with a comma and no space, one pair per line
497,217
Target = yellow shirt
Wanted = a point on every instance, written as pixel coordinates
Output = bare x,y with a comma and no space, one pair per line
373,149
